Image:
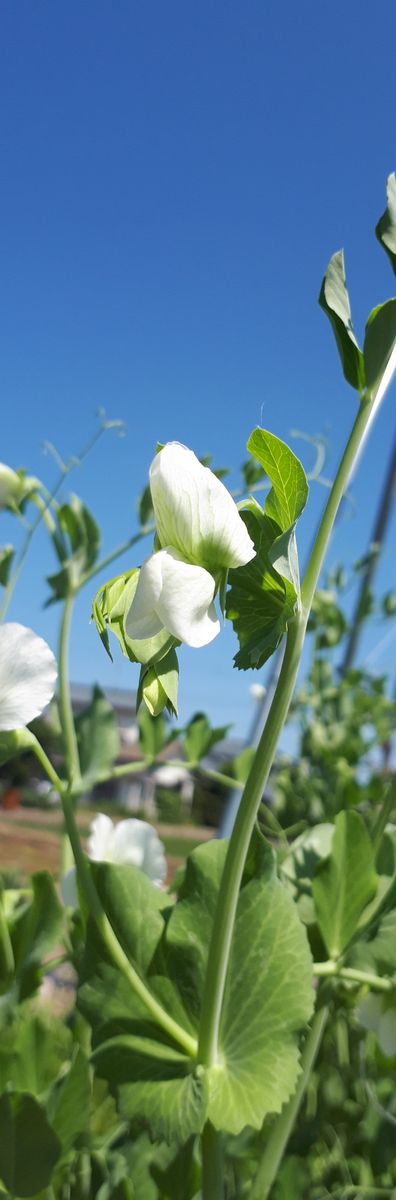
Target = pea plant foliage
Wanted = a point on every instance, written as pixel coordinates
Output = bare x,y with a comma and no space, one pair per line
188,1065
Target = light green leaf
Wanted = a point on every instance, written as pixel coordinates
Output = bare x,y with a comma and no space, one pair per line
199,737
386,228
152,733
98,739
289,492
33,1048
29,1149
70,1106
379,341
334,300
284,558
37,926
156,1083
345,882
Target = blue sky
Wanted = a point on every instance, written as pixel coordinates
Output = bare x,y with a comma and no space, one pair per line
174,180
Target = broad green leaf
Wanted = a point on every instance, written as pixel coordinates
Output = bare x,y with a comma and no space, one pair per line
199,738
70,1107
29,1148
33,1048
98,739
299,865
345,882
386,228
268,997
260,602
289,491
37,926
180,1178
334,300
6,557
379,341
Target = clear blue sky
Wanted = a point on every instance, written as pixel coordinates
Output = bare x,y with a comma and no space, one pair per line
175,178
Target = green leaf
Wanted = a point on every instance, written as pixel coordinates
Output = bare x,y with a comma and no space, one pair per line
386,228
345,882
289,492
260,602
299,865
6,557
37,926
152,733
34,1047
98,739
379,341
334,300
70,1108
268,996
29,1149
199,737
77,541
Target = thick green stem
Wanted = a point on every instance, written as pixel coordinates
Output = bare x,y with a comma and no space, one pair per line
283,1127
223,925
66,713
212,1163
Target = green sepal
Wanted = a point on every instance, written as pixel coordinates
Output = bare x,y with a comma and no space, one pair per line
109,611
14,742
158,686
334,300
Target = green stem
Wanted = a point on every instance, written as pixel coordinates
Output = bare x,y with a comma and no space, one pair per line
37,749
384,815
119,958
212,1163
67,720
223,925
7,962
282,1129
354,975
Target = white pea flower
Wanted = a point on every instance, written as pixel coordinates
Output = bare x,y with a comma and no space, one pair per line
201,534
11,486
27,675
132,842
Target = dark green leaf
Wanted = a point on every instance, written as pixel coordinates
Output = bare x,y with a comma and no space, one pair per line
29,1149
334,300
33,1049
38,924
379,341
260,602
6,557
98,739
386,228
70,1107
345,882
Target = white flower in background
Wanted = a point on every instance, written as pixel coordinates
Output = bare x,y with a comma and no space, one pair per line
201,535
27,675
132,842
378,1014
11,486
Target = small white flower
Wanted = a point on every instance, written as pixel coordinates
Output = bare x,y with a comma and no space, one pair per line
27,675
132,842
11,486
201,534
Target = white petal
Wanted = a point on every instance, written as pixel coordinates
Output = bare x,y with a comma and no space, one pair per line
195,513
185,606
137,843
142,620
27,675
100,841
